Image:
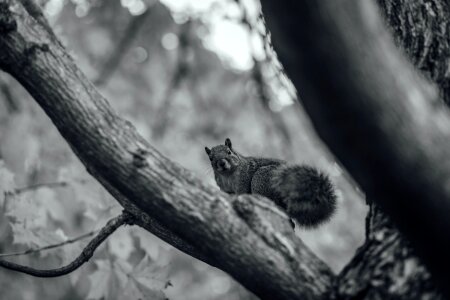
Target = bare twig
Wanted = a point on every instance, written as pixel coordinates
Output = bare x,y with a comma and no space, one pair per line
35,250
34,10
258,76
85,255
18,191
179,75
121,49
12,104
265,99
40,185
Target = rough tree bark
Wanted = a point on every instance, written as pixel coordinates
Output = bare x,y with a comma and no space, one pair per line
421,29
386,266
249,237
386,125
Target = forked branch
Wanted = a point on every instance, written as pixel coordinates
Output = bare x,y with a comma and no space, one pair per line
165,198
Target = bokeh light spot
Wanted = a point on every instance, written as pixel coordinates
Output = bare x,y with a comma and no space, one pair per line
170,41
139,55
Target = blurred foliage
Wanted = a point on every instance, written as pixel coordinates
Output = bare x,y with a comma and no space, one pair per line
153,66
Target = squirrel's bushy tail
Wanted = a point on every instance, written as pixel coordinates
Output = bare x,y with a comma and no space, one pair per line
307,195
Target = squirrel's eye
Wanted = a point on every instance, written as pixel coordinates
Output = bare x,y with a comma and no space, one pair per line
229,152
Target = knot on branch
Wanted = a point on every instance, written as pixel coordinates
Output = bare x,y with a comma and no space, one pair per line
140,157
245,209
7,22
31,50
128,218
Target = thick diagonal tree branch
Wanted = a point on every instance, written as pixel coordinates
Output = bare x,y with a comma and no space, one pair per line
85,255
385,123
242,237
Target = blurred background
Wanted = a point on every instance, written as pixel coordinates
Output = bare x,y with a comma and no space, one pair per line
187,74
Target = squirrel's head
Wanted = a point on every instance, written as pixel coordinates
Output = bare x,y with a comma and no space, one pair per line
224,159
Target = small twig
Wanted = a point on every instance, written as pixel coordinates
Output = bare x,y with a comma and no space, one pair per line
11,102
130,34
182,69
259,78
35,250
86,254
35,11
40,185
32,187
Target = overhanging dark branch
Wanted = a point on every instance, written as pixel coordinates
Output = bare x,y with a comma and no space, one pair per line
383,121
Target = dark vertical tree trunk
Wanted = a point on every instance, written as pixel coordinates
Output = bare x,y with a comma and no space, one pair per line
386,266
421,29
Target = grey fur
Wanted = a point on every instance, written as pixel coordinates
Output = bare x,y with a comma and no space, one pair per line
306,194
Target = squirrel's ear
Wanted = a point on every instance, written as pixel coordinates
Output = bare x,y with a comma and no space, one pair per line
228,143
208,151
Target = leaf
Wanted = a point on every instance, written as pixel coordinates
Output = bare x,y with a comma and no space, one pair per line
104,282
30,222
23,152
121,244
93,198
24,210
36,237
117,280
135,290
32,153
153,247
46,198
147,242
70,251
146,281
108,280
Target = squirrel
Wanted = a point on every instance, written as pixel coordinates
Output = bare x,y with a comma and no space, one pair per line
306,194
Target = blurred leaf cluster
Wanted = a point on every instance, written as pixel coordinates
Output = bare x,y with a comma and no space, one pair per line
156,69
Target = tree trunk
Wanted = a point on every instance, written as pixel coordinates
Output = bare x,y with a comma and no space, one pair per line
421,29
386,266
329,49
